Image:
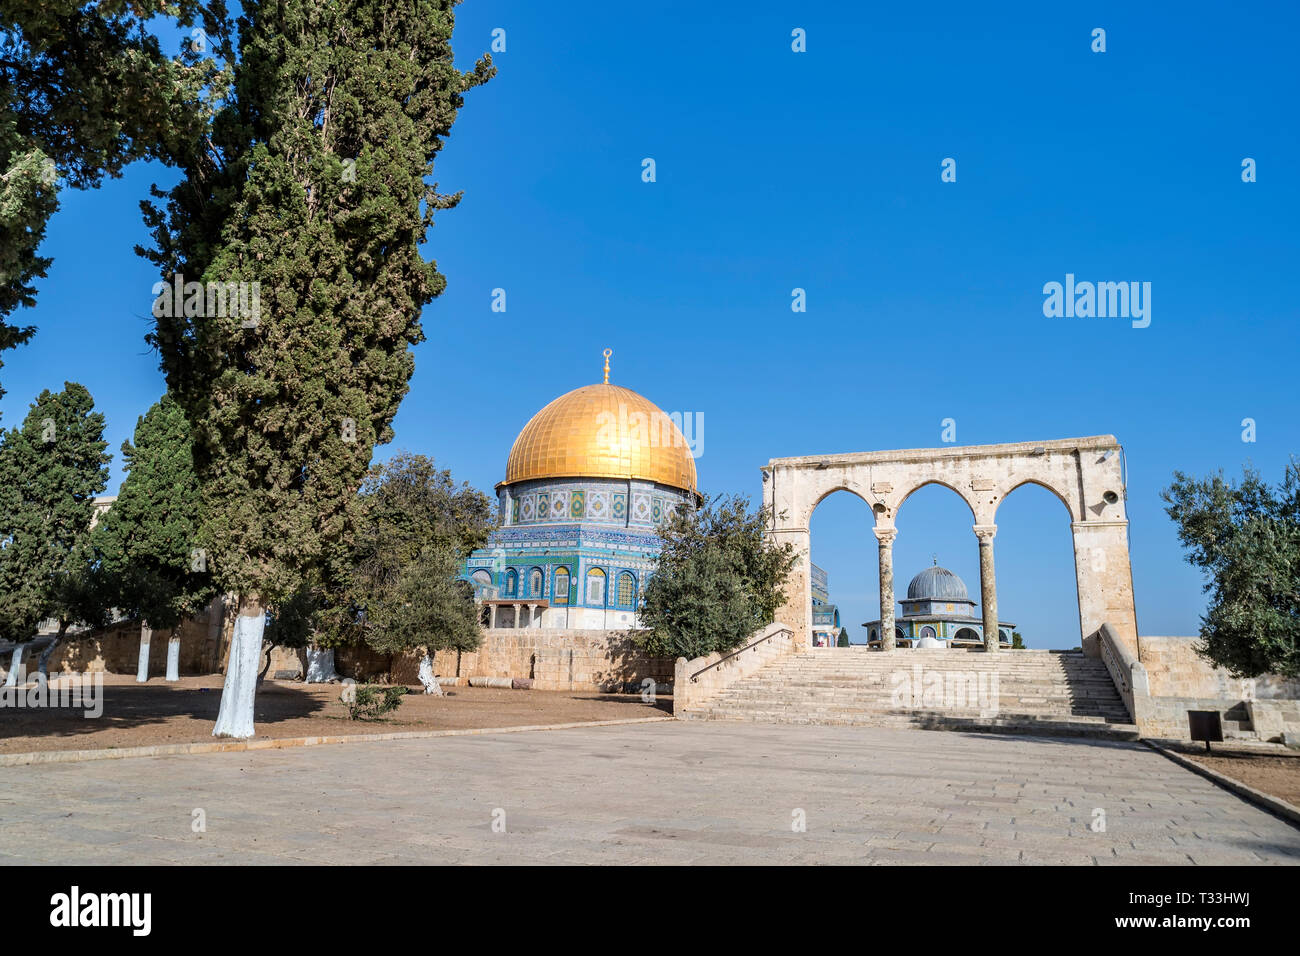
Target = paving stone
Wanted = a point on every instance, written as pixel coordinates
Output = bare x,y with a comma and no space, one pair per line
684,792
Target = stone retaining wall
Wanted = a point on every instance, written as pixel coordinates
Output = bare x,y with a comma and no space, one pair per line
116,650
1167,678
554,659
1176,670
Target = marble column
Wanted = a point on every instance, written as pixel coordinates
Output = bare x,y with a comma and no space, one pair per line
988,586
518,614
492,615
886,537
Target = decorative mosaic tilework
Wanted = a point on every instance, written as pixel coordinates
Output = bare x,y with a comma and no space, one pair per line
620,505
514,510
641,507
559,504
657,511
577,501
543,504
598,505
526,508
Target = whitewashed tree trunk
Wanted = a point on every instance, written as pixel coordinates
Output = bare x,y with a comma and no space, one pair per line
320,665
43,662
431,685
15,664
142,665
235,718
174,658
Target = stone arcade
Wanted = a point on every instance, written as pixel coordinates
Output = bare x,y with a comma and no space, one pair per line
1085,474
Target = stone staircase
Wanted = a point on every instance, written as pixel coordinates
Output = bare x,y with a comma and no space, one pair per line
1023,691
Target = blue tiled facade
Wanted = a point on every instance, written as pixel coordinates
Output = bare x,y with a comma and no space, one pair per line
586,547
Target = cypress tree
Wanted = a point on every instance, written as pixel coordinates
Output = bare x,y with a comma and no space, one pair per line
148,544
313,186
51,469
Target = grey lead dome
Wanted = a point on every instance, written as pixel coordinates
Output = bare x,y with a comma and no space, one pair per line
937,584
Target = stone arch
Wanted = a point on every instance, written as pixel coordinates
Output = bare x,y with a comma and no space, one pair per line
942,484
1055,492
1085,474
821,494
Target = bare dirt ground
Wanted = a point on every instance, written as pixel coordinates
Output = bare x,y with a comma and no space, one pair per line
136,715
1278,776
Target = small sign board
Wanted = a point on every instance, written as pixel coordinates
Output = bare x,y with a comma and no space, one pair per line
1205,725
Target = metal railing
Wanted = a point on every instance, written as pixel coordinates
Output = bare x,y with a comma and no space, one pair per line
747,647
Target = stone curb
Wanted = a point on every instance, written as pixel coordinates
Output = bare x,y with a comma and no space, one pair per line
227,746
1274,805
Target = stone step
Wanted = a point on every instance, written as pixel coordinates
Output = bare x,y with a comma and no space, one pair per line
1038,692
1020,724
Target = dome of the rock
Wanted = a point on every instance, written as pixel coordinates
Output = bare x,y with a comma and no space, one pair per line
590,481
602,431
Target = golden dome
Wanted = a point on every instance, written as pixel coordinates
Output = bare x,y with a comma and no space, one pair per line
602,431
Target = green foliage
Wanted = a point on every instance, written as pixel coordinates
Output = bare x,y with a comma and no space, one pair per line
84,90
396,586
372,701
147,542
718,580
311,183
1246,537
1017,642
843,639
51,469
293,622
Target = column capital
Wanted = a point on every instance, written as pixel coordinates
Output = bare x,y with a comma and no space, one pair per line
885,535
985,532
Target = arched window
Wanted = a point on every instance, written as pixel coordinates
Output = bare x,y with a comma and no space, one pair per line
561,585
928,631
535,580
595,588
626,590
482,579
512,583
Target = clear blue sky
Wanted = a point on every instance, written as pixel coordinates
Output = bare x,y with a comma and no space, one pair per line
821,170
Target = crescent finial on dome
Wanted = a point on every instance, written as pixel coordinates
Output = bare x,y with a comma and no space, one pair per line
607,353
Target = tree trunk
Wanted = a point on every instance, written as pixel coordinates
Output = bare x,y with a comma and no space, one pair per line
142,665
235,718
174,658
216,617
261,674
15,663
320,665
43,663
431,685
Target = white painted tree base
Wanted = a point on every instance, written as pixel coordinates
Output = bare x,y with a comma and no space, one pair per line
15,664
431,685
320,665
235,718
174,659
142,664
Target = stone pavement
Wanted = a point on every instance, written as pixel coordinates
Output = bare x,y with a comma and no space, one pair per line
676,792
